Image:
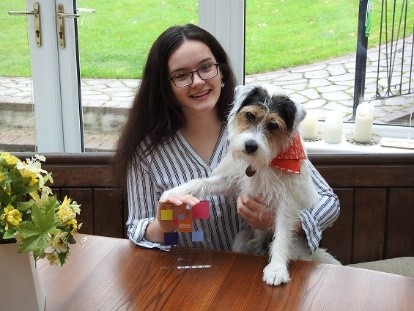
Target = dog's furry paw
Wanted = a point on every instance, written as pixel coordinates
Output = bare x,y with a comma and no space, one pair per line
275,274
173,192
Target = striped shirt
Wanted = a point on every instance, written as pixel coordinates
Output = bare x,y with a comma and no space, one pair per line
174,163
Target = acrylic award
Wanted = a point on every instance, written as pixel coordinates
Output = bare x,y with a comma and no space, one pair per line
190,240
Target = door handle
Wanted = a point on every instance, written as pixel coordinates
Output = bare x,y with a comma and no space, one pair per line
37,24
60,13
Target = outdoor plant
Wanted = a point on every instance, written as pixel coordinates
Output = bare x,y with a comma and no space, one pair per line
31,214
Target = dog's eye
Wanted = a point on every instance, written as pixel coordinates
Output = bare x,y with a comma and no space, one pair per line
272,126
250,117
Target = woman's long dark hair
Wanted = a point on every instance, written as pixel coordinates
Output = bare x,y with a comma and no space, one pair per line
155,111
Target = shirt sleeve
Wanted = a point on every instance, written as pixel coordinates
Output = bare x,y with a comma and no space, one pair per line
322,214
142,202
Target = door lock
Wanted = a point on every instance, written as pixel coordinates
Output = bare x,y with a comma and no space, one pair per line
61,15
37,24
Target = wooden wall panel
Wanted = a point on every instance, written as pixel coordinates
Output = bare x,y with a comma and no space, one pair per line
109,212
367,175
80,175
338,238
400,237
369,224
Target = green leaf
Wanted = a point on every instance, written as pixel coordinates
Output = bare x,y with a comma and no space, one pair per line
8,234
4,197
62,257
19,184
24,206
35,233
35,244
71,239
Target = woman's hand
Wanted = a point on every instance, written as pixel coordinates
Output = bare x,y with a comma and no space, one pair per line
169,203
155,230
256,213
259,216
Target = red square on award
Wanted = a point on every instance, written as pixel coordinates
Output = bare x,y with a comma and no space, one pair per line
201,210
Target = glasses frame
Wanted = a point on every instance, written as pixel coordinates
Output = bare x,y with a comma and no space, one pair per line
192,76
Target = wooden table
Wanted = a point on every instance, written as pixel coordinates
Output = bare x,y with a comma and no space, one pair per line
113,274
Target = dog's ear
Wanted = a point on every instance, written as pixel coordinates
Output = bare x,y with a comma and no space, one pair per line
300,114
240,93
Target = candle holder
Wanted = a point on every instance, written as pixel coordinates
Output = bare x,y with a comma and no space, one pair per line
315,139
375,139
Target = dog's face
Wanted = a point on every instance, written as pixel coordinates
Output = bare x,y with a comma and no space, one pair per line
262,124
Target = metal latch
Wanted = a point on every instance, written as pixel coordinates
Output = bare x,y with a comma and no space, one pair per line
37,24
60,12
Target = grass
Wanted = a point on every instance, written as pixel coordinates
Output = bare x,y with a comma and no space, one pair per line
114,41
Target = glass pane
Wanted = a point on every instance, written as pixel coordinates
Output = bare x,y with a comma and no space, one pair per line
308,48
113,43
17,127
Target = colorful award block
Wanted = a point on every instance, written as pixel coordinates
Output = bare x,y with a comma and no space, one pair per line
182,219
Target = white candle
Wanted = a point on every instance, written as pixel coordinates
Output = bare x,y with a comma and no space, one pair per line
309,126
364,119
333,128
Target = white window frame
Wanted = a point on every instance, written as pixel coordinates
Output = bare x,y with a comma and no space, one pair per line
225,20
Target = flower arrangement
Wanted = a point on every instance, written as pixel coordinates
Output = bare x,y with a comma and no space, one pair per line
30,213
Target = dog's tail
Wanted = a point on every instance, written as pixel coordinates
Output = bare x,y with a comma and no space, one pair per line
321,255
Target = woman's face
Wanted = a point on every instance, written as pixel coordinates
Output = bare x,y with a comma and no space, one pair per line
200,95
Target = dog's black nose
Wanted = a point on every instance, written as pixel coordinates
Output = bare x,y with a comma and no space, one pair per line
250,146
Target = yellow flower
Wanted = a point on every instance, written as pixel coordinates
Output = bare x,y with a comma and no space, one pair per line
59,242
65,211
10,159
53,258
74,224
11,216
29,174
35,195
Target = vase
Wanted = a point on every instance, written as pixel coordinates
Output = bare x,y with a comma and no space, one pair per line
20,287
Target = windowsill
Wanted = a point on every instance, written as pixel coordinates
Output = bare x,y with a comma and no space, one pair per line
384,131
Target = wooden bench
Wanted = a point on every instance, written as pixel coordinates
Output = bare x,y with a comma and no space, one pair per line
376,193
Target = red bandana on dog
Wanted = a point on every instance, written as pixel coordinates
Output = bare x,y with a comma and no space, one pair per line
289,159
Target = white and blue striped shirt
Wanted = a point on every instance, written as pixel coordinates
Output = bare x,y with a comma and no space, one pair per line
174,163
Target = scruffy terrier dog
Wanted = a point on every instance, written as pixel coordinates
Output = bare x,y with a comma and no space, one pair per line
266,159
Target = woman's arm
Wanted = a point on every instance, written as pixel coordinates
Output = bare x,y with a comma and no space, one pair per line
322,214
144,224
142,203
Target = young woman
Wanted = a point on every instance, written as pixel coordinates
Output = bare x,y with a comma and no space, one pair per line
176,131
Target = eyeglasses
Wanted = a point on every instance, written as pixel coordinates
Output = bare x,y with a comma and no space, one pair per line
205,72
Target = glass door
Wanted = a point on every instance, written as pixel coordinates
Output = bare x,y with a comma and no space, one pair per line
53,119
16,96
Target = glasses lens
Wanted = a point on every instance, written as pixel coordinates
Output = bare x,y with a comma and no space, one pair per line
182,79
208,71
205,72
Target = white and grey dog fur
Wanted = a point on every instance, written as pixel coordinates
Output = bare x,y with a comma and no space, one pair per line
261,124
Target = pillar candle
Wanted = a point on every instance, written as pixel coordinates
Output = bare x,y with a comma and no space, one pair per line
333,128
363,123
309,126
